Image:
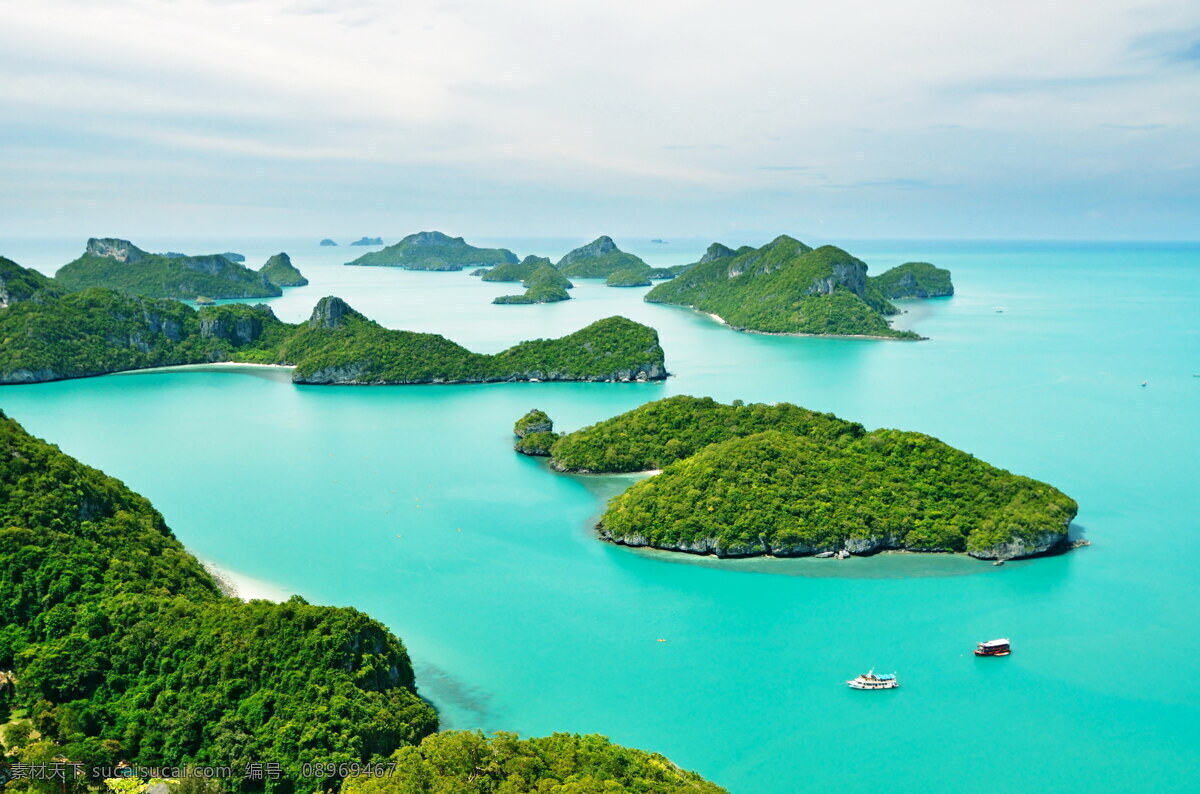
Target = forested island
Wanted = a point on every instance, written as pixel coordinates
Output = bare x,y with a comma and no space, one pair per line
118,647
750,480
787,287
280,271
368,241
599,259
98,331
121,265
544,284
914,280
434,251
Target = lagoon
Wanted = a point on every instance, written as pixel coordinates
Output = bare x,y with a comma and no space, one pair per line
408,503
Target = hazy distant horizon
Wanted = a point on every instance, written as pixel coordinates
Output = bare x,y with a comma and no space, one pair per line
1030,120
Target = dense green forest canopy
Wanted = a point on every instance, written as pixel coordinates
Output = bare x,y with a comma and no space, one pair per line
123,647
97,331
914,280
781,493
464,762
435,251
664,431
598,259
120,265
784,287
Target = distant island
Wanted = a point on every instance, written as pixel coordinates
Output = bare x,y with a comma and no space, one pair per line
787,287
367,241
119,264
99,331
514,271
659,241
280,271
327,242
599,259
914,280
544,284
629,277
93,573
434,251
749,480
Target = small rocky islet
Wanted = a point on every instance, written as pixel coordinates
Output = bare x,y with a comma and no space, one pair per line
744,480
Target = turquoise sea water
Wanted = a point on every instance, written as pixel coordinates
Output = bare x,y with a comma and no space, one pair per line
408,503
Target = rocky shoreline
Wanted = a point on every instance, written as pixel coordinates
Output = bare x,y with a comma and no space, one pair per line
1049,542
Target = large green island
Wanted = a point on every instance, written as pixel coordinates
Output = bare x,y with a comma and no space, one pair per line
787,287
98,331
434,251
121,265
117,647
752,480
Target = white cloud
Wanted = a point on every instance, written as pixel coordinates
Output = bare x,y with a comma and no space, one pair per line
673,106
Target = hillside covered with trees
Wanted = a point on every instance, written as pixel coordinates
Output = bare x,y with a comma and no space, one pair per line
98,331
784,287
746,480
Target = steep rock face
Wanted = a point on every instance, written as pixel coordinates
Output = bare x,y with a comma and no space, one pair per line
352,374
330,312
1018,547
241,330
113,248
851,275
716,251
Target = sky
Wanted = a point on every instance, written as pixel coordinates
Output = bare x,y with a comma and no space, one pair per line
955,119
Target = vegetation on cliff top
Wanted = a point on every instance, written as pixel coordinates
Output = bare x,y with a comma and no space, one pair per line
92,579
535,433
434,251
21,284
914,280
120,265
465,762
280,271
783,287
664,431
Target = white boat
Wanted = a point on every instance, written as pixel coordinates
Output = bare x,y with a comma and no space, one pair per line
871,681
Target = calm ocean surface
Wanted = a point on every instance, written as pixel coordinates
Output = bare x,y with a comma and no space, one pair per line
408,503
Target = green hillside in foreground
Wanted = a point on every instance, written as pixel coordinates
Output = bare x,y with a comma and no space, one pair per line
120,265
117,646
785,287
97,331
747,480
434,251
